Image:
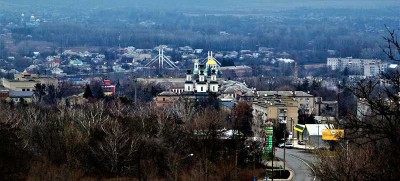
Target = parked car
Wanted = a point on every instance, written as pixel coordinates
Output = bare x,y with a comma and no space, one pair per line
301,142
289,145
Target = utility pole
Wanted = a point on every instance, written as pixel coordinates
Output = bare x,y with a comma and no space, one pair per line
318,136
292,128
273,154
284,150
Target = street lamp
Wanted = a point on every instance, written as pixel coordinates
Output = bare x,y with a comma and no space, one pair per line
176,164
292,128
284,149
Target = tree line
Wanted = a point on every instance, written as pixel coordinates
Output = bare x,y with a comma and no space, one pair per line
117,138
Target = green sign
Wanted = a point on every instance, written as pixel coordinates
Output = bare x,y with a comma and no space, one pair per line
269,146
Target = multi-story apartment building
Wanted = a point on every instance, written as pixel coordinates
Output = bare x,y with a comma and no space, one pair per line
306,102
366,67
374,68
278,109
283,107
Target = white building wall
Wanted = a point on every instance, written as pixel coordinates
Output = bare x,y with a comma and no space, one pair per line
201,88
332,63
188,87
350,63
213,87
374,69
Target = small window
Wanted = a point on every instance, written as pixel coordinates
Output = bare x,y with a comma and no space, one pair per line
27,90
23,89
163,99
201,88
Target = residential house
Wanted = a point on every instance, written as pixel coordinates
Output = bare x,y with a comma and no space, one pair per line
167,98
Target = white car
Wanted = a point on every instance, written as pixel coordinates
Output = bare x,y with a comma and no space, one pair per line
287,145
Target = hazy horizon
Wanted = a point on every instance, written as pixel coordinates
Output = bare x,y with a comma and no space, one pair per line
221,5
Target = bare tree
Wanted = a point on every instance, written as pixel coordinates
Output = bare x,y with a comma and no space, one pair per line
372,132
91,117
116,150
392,48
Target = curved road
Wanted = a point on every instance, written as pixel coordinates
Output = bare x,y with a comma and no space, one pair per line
300,162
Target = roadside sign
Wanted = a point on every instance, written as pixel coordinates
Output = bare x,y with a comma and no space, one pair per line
269,132
332,134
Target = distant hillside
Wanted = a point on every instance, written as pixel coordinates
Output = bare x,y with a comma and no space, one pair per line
204,5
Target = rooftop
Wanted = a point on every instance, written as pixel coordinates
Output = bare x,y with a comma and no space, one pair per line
285,93
168,93
26,94
235,67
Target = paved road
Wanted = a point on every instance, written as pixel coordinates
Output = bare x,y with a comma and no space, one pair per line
299,161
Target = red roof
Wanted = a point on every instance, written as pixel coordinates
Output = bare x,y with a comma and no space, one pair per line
57,61
107,82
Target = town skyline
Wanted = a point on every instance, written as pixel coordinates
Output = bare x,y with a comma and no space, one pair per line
199,90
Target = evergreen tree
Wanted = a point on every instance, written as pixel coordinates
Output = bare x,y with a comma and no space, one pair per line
51,96
99,92
39,92
88,92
